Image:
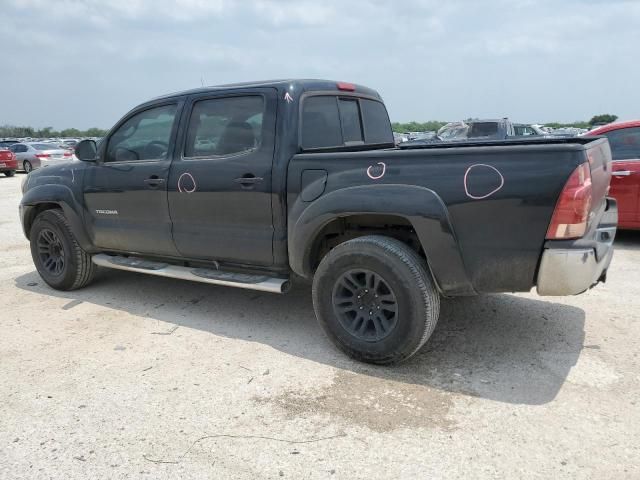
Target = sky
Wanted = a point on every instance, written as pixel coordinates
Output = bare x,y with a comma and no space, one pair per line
85,63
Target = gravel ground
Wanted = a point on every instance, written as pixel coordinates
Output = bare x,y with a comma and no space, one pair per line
145,377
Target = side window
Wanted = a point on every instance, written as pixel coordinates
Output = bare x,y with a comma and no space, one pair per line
625,143
224,126
350,119
321,123
377,127
144,136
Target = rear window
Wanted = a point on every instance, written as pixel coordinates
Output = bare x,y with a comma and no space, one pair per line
483,129
44,146
351,122
377,124
329,121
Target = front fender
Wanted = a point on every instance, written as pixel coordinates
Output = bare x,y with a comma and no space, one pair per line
56,194
422,207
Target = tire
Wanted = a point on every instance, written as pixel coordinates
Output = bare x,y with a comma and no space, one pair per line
386,268
51,237
10,173
27,166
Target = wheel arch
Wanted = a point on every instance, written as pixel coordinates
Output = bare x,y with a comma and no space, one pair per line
418,208
47,197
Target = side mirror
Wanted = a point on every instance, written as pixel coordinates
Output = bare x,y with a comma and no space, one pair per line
87,151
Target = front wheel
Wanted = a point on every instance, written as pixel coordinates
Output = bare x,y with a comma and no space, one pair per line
10,173
27,166
375,299
58,257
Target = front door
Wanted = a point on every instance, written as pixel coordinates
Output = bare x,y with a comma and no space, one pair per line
220,180
625,180
126,190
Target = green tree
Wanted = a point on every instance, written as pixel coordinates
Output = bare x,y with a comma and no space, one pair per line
432,125
604,118
70,132
45,132
95,132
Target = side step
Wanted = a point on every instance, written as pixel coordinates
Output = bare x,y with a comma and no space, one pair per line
204,275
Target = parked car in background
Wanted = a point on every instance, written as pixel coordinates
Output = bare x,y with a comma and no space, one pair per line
568,132
69,143
624,139
35,155
7,143
8,163
499,129
523,129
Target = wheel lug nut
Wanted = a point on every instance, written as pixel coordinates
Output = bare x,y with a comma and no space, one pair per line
361,308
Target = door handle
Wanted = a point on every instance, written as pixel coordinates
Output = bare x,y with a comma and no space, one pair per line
621,173
248,180
154,181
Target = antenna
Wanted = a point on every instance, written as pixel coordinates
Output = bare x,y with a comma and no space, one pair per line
202,80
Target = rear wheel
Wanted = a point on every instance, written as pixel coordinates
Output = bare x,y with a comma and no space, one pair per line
10,173
58,257
375,299
27,166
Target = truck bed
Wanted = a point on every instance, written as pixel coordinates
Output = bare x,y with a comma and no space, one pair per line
498,198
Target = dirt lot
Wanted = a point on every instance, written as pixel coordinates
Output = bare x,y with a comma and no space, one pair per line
144,377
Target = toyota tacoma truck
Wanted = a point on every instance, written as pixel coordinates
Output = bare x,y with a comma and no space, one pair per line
252,185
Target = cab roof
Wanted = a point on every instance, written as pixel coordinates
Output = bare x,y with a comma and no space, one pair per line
292,85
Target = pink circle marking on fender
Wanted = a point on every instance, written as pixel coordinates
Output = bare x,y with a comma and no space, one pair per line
466,187
376,177
183,189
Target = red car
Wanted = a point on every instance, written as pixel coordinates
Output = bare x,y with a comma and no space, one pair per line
624,138
8,162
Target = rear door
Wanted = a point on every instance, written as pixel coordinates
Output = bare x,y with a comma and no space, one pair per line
625,180
220,182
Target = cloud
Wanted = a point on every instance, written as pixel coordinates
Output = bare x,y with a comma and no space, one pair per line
532,60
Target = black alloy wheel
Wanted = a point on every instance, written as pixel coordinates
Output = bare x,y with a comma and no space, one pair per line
365,305
51,251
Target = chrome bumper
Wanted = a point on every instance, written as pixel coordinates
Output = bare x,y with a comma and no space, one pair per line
570,271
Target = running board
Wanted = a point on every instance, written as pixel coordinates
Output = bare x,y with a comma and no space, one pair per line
204,275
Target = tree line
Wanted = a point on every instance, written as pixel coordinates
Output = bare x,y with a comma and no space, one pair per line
13,131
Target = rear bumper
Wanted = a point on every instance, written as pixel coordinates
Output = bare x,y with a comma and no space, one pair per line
6,165
570,268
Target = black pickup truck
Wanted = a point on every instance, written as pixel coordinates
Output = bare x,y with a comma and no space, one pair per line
250,185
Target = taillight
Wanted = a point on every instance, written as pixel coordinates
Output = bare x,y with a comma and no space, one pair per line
571,214
67,154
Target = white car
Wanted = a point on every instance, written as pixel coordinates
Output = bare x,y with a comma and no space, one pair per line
35,155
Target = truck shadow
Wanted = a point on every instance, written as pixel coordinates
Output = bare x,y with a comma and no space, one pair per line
627,240
502,347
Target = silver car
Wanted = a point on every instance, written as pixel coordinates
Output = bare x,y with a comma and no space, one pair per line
34,155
